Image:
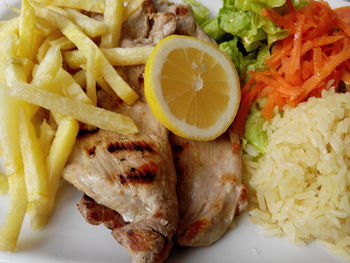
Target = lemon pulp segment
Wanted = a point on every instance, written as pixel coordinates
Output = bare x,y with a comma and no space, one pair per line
191,87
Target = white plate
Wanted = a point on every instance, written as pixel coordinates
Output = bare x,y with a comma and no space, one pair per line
68,238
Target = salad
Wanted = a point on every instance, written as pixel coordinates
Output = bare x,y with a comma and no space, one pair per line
293,58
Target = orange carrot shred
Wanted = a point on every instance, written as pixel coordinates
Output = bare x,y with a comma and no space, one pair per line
315,54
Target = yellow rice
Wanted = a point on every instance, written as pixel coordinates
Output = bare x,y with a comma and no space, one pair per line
301,186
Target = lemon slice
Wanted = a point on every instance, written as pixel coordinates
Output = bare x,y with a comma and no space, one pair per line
192,87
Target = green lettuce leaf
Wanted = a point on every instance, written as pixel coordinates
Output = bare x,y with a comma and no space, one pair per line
211,27
201,13
253,61
254,130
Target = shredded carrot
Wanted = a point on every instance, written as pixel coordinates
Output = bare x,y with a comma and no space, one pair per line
316,52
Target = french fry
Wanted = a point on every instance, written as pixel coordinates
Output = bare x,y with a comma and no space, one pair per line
43,27
88,114
84,44
35,173
113,17
9,139
90,26
44,47
80,78
115,56
9,27
104,85
63,43
127,56
96,6
70,88
131,8
56,160
75,59
46,137
29,37
11,152
4,186
9,231
48,68
91,76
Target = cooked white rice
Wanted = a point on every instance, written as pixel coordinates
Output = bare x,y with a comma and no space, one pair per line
301,186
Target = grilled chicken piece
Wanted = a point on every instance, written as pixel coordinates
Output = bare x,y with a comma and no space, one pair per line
130,180
134,176
209,188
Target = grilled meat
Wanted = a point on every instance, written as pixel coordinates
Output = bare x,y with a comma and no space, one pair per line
129,181
209,188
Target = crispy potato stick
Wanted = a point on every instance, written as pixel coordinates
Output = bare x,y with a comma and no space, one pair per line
46,137
58,10
80,78
113,17
35,173
63,43
115,56
91,76
75,59
96,6
9,27
56,160
12,224
4,186
44,47
85,44
9,138
131,8
88,114
127,56
29,38
25,65
90,26
48,68
70,87
43,27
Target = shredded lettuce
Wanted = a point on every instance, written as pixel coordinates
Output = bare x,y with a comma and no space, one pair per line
254,130
244,34
253,61
200,12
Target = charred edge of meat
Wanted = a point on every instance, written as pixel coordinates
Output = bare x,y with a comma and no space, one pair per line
144,174
91,151
140,146
182,10
82,132
97,214
177,149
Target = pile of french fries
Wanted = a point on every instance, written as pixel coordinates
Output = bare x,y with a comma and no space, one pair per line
42,101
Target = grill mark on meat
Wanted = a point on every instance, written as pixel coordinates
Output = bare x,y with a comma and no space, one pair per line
181,11
144,174
91,152
177,149
140,146
83,133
